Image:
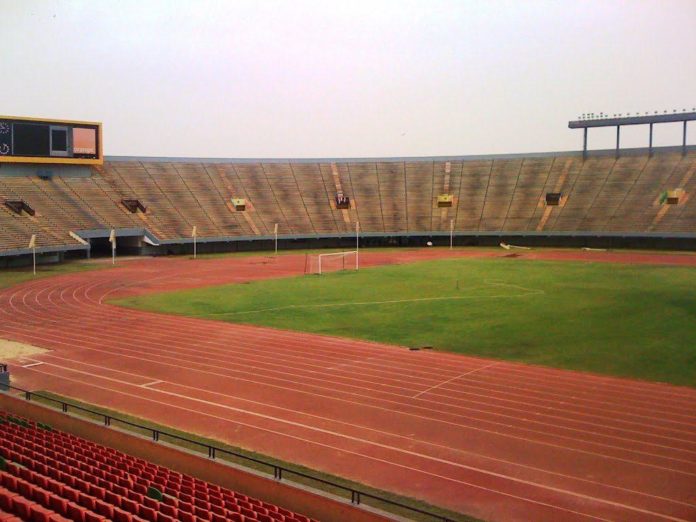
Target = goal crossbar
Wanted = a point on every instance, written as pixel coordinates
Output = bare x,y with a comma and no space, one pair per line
322,259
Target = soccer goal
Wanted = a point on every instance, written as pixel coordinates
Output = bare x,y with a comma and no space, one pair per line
331,262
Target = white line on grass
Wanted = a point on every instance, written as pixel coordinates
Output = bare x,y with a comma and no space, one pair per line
529,292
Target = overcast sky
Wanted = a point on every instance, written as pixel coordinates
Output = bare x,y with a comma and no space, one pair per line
347,78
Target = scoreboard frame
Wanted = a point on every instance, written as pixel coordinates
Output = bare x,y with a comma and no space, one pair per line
59,157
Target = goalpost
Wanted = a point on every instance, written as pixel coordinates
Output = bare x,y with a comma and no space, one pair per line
331,262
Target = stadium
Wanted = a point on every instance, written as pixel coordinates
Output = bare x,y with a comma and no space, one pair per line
477,337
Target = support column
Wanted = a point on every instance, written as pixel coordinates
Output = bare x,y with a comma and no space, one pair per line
650,142
618,139
584,143
684,140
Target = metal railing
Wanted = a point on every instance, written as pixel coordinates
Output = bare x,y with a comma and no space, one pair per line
279,472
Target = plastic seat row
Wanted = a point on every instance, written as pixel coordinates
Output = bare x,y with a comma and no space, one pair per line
145,473
103,482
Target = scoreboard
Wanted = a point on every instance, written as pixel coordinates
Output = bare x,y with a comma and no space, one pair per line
32,140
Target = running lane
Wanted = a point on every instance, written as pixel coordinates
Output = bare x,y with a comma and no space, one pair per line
497,440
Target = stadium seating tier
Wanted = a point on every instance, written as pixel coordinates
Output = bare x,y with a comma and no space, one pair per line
600,194
51,476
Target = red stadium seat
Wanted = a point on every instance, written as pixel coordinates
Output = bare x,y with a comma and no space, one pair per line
66,478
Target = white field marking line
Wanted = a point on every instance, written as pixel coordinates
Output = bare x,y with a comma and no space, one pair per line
334,448
548,412
474,428
131,285
32,365
453,378
407,413
529,292
540,399
409,439
331,339
378,445
226,352
636,407
407,405
323,381
123,285
146,385
88,298
661,437
319,368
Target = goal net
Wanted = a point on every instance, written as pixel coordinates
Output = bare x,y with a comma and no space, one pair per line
331,262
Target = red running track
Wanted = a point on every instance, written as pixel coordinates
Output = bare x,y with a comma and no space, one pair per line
497,440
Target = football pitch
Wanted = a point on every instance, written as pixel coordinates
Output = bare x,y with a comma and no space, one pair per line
628,320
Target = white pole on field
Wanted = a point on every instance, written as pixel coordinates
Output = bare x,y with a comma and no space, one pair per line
194,234
357,245
275,233
32,245
451,232
112,240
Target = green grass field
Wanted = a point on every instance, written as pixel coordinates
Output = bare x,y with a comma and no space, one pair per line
628,320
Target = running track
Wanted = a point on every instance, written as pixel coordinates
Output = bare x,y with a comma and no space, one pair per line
501,441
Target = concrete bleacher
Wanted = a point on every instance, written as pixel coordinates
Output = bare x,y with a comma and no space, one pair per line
257,188
418,187
316,196
336,179
288,198
52,476
599,195
391,182
528,192
365,193
134,180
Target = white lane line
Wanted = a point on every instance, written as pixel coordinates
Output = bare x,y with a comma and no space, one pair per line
151,383
453,379
503,434
437,460
32,364
88,288
382,432
353,362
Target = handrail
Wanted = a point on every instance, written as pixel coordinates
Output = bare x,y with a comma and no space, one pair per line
356,495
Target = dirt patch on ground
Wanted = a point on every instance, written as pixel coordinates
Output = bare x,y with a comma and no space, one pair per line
13,350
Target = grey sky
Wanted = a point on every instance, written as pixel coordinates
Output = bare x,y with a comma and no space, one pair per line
347,79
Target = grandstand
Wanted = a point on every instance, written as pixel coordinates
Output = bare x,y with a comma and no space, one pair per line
48,475
555,198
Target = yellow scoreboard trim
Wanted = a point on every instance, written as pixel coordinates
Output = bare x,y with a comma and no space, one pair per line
65,161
